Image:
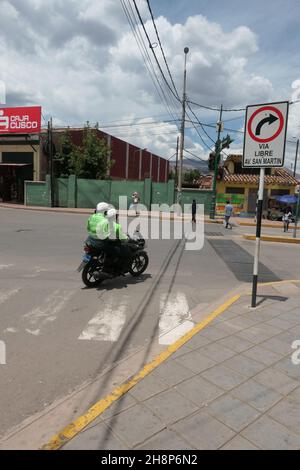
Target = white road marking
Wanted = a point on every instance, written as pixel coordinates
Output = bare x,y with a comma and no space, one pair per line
10,330
175,318
47,312
5,266
36,271
5,295
107,324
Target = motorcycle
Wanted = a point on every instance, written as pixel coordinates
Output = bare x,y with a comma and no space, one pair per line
94,261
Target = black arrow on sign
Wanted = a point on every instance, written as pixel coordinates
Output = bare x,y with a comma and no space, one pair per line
266,120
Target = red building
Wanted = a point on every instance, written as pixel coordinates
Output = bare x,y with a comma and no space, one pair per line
130,161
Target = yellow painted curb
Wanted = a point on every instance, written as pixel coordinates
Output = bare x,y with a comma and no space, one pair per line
270,238
71,430
290,281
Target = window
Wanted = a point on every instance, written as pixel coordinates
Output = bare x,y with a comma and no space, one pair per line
235,190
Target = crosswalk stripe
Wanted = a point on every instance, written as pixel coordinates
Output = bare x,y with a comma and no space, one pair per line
107,325
4,296
5,266
175,318
47,312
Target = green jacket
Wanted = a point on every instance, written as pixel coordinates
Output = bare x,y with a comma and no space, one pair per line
119,232
97,226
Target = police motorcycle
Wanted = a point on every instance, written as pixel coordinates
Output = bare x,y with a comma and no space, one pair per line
96,268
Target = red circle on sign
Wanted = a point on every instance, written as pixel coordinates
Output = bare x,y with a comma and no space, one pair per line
281,123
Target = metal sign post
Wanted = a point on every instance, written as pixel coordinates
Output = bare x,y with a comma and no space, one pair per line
264,147
258,233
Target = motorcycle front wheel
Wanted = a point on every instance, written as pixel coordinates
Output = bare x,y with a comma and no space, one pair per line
88,274
139,264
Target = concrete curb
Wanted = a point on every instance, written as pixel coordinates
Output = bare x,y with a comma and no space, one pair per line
271,238
75,211
252,224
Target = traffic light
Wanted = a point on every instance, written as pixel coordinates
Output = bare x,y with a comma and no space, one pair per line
226,142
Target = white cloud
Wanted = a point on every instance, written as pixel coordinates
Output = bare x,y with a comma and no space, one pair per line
79,59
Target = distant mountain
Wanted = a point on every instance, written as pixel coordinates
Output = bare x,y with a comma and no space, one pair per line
190,163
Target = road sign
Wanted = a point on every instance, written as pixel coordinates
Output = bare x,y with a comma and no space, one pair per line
265,135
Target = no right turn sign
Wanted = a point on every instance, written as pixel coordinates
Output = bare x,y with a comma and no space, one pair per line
265,135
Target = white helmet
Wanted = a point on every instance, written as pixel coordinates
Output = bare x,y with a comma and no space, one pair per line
102,207
111,214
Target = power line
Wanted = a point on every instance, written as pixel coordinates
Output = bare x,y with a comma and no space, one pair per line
153,52
202,127
162,51
196,156
145,54
161,123
215,109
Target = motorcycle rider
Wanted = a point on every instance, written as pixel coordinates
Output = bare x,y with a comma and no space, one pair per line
97,226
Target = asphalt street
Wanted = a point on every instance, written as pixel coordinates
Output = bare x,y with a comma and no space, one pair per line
58,334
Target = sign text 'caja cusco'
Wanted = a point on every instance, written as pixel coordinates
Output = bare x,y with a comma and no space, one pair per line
24,120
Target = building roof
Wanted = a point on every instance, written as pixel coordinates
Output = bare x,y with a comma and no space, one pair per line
205,182
281,176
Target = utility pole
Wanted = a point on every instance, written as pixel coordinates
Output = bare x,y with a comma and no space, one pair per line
176,165
179,186
296,157
216,166
50,152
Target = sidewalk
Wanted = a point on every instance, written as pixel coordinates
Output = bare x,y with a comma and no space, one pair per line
231,386
249,222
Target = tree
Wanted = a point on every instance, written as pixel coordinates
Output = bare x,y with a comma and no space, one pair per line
62,158
190,176
90,161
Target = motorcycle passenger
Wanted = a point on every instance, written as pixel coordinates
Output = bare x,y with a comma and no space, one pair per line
117,241
97,226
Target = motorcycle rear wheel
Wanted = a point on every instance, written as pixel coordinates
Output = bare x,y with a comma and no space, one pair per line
88,275
139,264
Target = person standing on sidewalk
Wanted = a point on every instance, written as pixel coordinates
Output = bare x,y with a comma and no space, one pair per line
194,210
287,217
135,200
228,214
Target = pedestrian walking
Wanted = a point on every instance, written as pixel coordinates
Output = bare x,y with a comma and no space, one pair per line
194,210
287,218
228,214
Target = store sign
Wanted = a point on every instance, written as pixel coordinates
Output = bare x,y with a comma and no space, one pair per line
23,120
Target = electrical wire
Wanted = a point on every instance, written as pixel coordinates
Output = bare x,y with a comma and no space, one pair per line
145,55
162,50
154,55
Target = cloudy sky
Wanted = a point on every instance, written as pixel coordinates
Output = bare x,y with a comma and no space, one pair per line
80,60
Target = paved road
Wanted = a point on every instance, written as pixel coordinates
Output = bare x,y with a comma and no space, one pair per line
59,335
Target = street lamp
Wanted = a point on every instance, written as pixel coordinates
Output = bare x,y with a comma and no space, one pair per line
179,187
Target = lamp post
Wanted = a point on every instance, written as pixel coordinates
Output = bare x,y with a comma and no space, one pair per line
181,147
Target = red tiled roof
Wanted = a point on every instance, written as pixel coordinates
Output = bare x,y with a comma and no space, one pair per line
281,176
